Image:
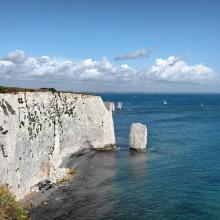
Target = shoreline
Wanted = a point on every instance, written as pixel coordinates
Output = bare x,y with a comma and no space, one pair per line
35,198
75,161
90,187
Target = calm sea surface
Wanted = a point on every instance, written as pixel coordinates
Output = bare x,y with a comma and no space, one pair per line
178,178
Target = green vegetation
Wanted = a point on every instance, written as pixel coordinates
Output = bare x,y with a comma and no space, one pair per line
9,207
4,89
48,89
69,176
109,147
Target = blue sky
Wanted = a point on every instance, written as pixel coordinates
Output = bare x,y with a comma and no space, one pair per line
80,30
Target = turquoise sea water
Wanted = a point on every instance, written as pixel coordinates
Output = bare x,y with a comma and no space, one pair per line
178,178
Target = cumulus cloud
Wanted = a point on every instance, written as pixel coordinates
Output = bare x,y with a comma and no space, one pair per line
134,54
17,56
174,69
17,65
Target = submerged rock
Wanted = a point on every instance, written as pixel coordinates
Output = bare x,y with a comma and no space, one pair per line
138,137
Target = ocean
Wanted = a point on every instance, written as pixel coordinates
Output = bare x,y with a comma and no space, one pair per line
178,177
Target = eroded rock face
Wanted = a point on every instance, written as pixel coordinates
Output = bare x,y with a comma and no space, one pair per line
110,106
38,130
138,137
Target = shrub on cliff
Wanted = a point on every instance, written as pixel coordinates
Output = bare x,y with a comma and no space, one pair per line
9,207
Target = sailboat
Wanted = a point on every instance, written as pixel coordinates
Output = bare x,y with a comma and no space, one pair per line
165,102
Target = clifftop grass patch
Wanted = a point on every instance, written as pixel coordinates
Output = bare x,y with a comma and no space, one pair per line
4,89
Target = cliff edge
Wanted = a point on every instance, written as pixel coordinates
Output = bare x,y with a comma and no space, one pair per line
39,129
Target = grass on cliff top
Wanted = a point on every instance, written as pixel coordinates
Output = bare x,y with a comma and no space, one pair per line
4,89
9,207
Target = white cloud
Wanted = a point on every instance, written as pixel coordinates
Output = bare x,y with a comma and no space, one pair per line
18,66
17,56
45,67
173,69
134,54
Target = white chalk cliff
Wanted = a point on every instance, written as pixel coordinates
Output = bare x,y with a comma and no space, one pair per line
39,129
110,106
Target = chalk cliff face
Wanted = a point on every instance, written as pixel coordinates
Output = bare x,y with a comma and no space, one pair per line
38,130
110,106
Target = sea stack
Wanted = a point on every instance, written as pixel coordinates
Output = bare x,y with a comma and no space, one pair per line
110,106
138,137
119,106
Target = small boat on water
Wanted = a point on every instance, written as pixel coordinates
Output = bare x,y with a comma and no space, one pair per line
165,102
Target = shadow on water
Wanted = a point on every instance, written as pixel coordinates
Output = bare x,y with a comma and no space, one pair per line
95,192
88,196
